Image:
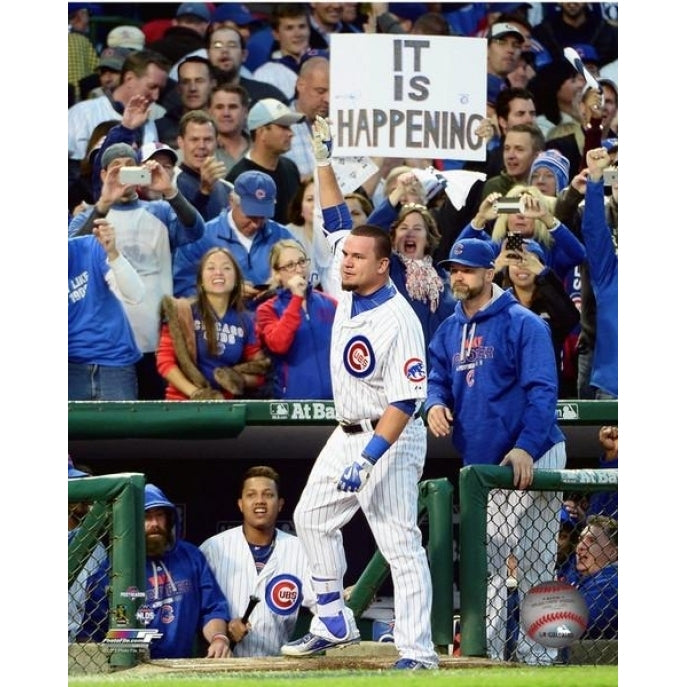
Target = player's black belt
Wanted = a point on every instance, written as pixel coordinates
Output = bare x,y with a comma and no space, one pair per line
366,425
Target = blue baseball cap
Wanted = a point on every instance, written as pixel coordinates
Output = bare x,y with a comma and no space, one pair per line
533,247
586,52
233,11
611,144
197,9
471,253
258,193
567,518
542,58
72,472
408,10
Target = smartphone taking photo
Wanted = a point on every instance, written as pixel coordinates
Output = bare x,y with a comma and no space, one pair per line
509,206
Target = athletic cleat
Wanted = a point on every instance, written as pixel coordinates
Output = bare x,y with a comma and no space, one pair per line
310,644
409,664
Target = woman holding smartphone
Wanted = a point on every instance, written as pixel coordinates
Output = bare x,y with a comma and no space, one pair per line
534,219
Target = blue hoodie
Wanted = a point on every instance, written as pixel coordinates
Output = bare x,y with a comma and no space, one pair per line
603,271
181,590
496,372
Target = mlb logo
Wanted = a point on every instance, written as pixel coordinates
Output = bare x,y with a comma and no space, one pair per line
279,410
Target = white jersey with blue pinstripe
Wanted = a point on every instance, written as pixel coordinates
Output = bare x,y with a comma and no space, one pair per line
283,586
377,358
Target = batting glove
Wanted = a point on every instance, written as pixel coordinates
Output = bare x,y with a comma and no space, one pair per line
355,475
321,141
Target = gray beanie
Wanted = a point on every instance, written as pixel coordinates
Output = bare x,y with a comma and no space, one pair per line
117,150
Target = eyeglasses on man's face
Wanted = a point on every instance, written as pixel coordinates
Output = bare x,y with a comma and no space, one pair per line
291,266
229,45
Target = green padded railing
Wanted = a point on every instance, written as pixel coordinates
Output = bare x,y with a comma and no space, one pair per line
226,419
123,494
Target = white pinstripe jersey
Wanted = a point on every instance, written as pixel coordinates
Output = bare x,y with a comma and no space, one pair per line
377,357
283,586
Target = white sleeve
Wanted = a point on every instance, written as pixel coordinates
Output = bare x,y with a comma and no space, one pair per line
124,281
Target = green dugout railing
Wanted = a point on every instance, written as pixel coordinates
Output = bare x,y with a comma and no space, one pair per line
226,419
124,495
475,483
436,500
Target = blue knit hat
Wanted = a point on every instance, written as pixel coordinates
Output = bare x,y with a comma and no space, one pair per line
555,162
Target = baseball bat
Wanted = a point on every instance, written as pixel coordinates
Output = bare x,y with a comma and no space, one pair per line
253,601
512,609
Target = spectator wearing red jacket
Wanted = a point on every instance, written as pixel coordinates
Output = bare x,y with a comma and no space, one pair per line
295,326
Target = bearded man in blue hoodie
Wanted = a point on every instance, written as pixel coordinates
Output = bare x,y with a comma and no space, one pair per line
493,386
182,594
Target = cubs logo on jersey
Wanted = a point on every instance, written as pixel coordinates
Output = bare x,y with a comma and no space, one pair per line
358,357
414,370
284,594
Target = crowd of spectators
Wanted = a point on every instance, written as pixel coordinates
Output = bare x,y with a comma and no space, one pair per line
222,90
201,245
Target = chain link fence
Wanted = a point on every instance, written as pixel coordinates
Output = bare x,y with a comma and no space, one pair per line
513,540
105,572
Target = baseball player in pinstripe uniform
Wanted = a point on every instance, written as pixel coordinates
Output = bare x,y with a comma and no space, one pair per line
374,458
259,560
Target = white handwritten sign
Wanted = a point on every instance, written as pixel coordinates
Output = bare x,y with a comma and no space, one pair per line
408,96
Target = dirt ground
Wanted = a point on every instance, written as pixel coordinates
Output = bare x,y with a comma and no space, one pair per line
274,663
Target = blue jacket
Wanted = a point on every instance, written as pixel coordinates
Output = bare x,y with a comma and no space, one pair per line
98,329
181,590
603,273
299,343
254,264
600,593
503,394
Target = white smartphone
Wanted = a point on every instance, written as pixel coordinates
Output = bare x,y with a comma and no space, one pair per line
139,176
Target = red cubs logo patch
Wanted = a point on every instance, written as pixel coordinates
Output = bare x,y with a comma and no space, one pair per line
284,594
167,614
358,357
414,370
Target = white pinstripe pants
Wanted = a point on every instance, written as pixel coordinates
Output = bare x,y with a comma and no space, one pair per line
389,502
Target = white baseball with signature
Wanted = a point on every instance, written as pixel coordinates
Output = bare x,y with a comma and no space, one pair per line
554,614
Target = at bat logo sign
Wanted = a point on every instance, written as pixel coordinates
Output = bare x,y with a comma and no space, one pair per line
284,594
414,370
358,357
